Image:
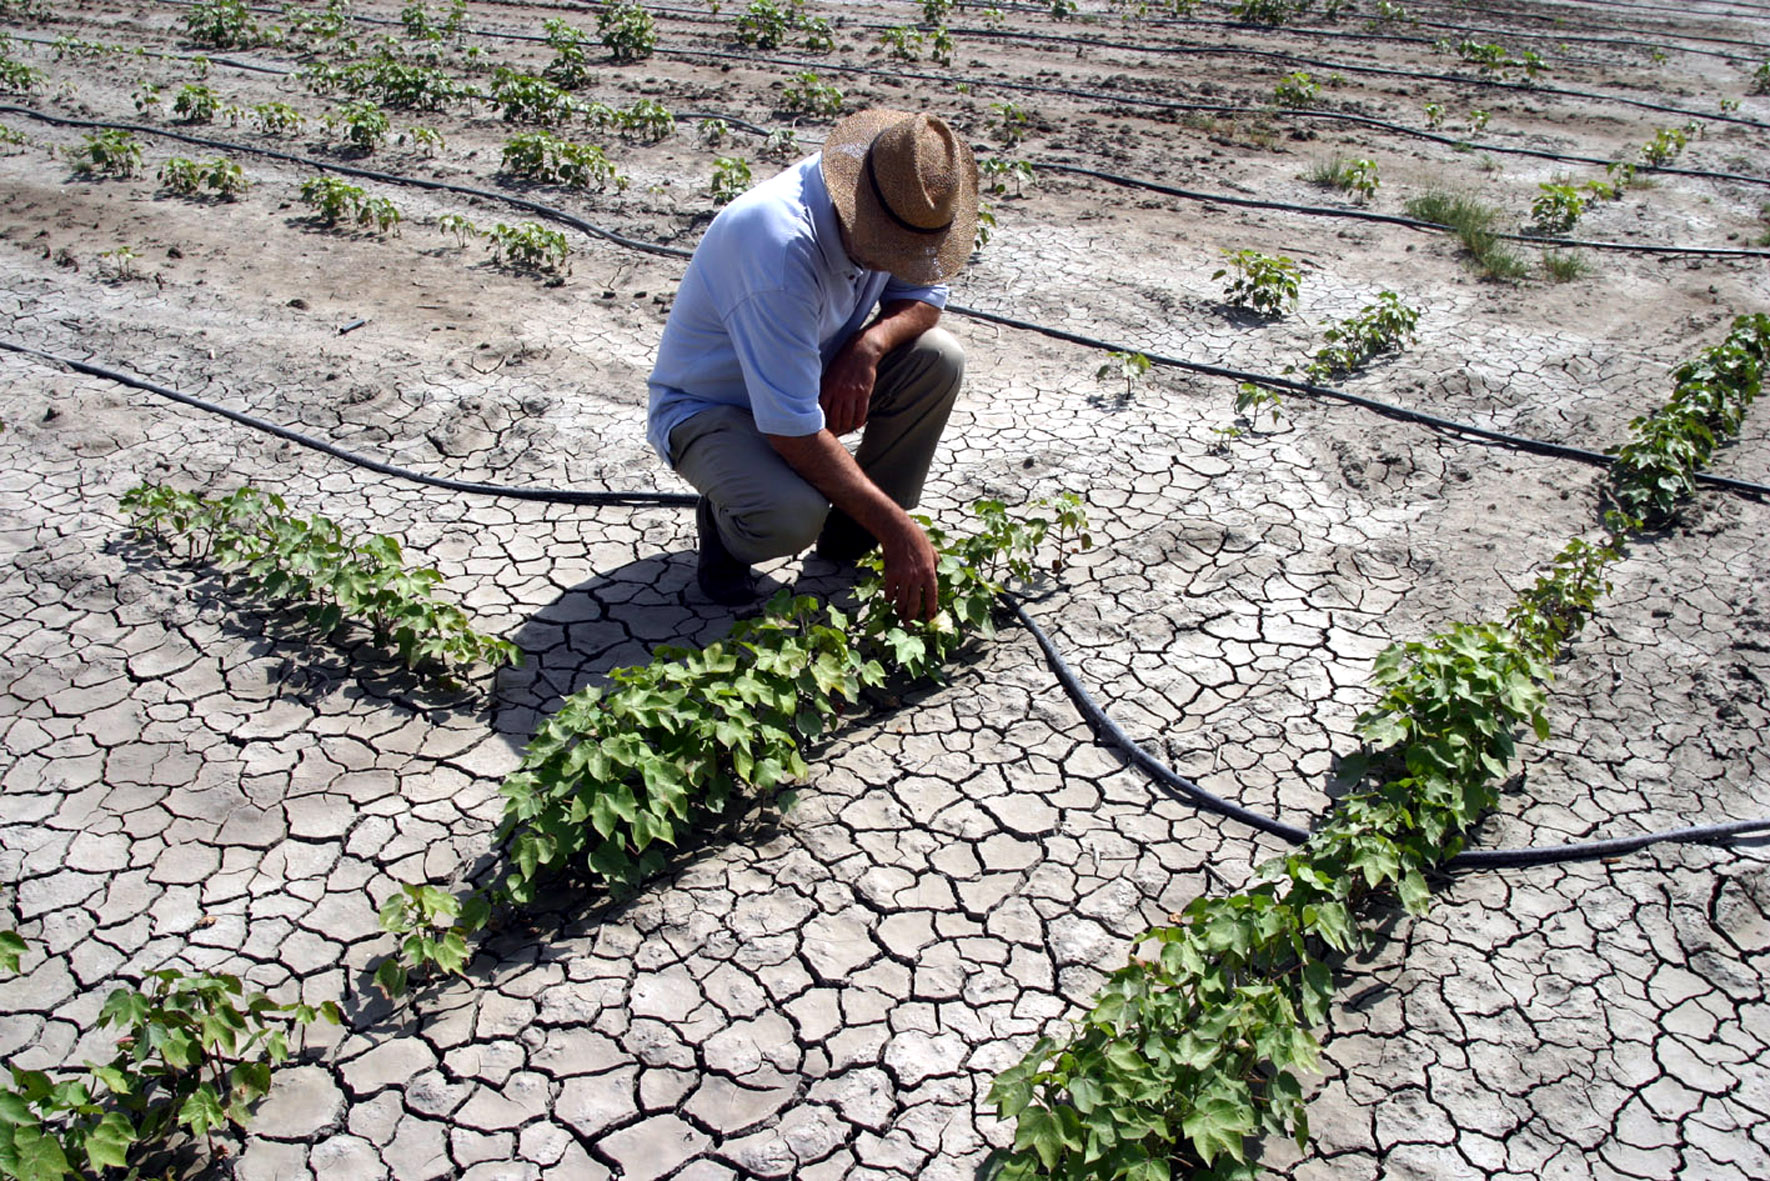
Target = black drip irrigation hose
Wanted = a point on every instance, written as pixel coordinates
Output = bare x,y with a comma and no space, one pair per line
1412,223
1132,182
510,491
1386,409
1106,730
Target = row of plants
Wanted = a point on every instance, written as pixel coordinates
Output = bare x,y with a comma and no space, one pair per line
194,1053
1203,1038
621,773
289,560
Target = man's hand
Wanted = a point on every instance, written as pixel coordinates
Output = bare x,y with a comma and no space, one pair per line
910,581
847,385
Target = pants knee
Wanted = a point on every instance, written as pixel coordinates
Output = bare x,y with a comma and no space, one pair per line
786,525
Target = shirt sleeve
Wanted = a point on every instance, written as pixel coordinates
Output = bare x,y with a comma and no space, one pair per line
774,333
894,289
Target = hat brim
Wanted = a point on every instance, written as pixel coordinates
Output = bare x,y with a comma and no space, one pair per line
874,240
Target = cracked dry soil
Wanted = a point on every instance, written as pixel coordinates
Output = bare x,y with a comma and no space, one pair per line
190,782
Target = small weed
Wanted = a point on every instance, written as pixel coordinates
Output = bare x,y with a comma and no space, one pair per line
1358,177
731,177
1266,284
1564,266
1472,222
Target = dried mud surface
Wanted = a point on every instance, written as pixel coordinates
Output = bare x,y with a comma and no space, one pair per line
189,782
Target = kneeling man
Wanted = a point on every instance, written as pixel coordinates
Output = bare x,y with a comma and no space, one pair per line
773,350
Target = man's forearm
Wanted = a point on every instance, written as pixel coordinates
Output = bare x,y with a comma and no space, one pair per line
898,323
827,466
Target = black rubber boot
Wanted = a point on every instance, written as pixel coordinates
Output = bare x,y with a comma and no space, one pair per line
843,539
722,577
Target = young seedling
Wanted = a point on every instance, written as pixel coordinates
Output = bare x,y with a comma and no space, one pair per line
781,144
646,119
1009,121
365,125
1434,116
195,104
819,36
222,24
570,67
1266,284
334,201
1382,327
1250,399
714,131
538,157
119,264
278,118
147,98
530,247
627,31
1127,367
1665,145
111,152
459,225
1557,209
902,43
986,227
731,178
766,24
220,177
1358,177
1297,91
528,99
1000,173
808,95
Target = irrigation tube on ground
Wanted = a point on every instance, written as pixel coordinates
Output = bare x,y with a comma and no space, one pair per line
1107,731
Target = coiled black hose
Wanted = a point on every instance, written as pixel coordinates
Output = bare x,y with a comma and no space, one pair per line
1106,730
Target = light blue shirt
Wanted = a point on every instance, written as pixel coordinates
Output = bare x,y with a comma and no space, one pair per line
768,298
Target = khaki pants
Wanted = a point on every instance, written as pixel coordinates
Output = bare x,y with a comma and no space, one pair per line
764,509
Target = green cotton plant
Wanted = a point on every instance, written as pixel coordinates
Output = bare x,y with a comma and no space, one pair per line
627,31
1383,327
1199,1042
645,119
220,177
1266,284
335,200
570,67
810,96
1129,367
1557,208
194,1054
622,773
309,561
1656,469
525,98
539,157
111,152
766,24
731,178
530,247
1297,90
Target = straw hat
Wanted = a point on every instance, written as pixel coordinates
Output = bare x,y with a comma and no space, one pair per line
905,189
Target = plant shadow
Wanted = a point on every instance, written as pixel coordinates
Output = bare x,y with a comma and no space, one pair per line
312,663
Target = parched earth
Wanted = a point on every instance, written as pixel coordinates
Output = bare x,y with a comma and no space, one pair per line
189,780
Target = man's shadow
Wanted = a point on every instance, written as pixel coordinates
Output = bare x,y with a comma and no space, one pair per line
619,618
